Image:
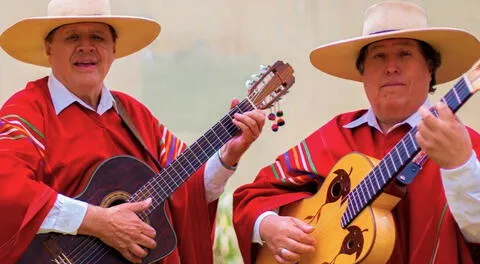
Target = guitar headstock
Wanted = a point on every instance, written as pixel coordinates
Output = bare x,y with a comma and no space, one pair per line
473,75
270,84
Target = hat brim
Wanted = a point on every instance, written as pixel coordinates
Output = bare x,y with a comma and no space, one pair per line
459,50
25,40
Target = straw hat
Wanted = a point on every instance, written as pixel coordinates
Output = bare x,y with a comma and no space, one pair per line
395,19
25,40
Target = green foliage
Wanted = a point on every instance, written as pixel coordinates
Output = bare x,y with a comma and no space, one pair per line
226,247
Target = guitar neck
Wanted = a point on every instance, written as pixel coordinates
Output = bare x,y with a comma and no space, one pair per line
160,187
395,160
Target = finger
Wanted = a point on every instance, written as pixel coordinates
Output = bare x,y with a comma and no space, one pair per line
420,140
147,230
428,119
253,120
302,235
298,247
444,112
146,241
303,226
132,258
288,255
138,252
140,206
247,126
234,102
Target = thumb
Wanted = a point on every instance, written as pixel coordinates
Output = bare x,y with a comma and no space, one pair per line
141,206
303,226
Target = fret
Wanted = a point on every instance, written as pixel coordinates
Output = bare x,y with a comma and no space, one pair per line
385,165
393,162
374,175
405,150
368,189
362,193
194,156
456,95
404,146
412,140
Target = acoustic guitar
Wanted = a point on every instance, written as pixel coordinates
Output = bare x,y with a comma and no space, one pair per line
134,181
351,212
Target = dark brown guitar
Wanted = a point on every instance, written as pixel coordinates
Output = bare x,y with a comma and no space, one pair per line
136,181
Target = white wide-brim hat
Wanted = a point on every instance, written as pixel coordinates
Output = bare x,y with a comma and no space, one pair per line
458,49
24,40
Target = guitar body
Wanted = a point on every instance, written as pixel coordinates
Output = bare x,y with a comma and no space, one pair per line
112,183
123,179
369,238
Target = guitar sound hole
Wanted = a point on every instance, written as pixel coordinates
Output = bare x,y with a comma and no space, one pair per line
336,189
116,202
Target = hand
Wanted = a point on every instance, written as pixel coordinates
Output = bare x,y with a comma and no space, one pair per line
250,125
120,227
287,237
445,139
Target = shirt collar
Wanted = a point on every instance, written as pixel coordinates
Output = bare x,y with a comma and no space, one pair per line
62,97
370,119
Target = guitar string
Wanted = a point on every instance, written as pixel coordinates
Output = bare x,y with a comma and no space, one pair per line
141,193
228,135
452,99
99,245
453,96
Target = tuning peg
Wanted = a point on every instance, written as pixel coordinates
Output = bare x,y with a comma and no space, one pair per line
264,68
249,83
256,76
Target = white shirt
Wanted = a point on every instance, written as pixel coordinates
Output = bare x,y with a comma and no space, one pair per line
461,185
67,213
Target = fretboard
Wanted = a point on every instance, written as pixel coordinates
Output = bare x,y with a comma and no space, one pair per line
160,187
395,160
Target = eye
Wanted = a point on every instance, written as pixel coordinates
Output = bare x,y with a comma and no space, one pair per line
378,55
405,53
97,37
73,37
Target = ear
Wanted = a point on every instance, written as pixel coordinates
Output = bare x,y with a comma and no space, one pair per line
48,47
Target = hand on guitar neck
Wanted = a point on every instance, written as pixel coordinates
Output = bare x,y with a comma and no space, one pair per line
250,125
445,139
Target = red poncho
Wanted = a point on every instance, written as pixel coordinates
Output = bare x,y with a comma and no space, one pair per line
43,154
418,216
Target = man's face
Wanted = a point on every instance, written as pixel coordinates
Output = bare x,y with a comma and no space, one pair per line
81,54
396,78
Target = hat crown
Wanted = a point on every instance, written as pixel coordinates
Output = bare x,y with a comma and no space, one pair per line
79,8
393,15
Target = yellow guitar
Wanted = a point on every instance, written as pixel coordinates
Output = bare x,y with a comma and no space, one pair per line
351,212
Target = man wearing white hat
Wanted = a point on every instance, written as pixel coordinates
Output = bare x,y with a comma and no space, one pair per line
399,59
56,131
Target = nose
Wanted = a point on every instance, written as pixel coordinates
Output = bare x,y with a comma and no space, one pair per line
85,46
392,65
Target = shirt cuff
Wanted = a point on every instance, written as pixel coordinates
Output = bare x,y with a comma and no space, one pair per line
256,228
215,178
65,217
462,190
